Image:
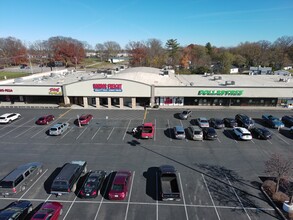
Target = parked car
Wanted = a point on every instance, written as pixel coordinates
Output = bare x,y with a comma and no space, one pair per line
230,122
48,211
242,133
9,117
44,120
119,188
17,210
216,123
209,133
272,121
291,130
20,178
147,130
92,184
244,121
261,133
179,132
288,120
185,114
203,122
58,128
195,133
85,119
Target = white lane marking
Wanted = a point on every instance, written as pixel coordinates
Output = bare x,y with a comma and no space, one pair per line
128,202
252,141
183,197
110,133
10,125
211,197
169,128
238,198
155,130
70,207
97,213
181,122
157,197
219,140
66,133
269,141
33,184
16,128
81,133
126,129
228,131
95,133
280,137
40,131
24,131
48,198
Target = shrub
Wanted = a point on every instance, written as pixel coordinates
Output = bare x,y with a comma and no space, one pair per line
270,187
280,197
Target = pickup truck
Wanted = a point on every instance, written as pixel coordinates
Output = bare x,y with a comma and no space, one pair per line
168,183
66,181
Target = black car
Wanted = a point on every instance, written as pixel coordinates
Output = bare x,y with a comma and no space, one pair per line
230,122
17,210
209,133
288,120
261,133
244,121
216,123
92,184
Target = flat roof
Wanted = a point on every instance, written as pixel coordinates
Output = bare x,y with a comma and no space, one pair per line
154,76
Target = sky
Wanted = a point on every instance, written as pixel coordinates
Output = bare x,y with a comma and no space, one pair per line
223,23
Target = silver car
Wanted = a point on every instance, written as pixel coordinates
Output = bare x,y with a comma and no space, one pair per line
203,122
58,128
179,132
195,133
185,114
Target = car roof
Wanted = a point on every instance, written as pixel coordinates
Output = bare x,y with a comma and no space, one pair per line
203,118
195,128
20,169
121,176
148,124
243,130
7,114
179,128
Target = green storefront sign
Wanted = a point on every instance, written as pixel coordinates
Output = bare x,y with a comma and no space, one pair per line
221,92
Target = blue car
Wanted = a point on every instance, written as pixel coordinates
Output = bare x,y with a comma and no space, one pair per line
273,121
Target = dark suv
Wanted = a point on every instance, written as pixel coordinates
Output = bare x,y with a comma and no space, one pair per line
244,121
288,120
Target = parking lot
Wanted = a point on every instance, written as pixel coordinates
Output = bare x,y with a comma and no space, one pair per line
218,179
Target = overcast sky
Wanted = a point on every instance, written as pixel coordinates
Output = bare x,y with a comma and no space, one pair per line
221,22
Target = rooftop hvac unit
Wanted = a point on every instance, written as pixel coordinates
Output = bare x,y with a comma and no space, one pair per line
230,82
18,80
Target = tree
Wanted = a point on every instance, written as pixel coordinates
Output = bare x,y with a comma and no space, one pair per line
226,60
278,167
138,53
100,50
111,49
12,51
155,53
172,49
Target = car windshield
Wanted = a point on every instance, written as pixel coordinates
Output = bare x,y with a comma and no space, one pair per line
184,112
53,129
91,182
246,134
117,187
197,132
6,184
42,118
203,121
147,130
2,117
82,118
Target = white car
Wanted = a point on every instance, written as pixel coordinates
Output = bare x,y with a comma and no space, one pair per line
185,114
9,117
203,122
58,129
242,133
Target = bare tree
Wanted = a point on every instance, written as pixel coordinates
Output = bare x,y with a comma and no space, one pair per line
278,167
111,48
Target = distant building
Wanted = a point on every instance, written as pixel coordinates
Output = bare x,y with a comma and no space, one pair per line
234,70
282,73
260,70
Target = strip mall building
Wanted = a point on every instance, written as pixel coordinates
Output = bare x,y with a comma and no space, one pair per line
129,88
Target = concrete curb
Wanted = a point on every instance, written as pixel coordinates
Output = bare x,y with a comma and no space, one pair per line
273,204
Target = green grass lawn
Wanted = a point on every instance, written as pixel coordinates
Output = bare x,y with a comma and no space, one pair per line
11,75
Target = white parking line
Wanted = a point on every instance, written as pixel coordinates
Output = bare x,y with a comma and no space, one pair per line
155,130
95,133
9,125
280,137
81,133
252,141
211,197
33,184
66,133
238,198
24,131
169,128
219,140
181,122
128,202
46,127
228,131
16,128
126,129
183,198
48,198
70,207
269,141
110,133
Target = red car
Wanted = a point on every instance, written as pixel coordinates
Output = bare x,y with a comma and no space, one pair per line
147,130
44,120
119,188
49,210
85,119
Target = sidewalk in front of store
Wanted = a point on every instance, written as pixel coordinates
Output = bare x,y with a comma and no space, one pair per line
55,106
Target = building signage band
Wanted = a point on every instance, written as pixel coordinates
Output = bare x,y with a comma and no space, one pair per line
55,91
221,92
102,87
6,90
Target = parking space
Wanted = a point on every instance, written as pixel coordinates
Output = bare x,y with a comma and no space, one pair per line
218,179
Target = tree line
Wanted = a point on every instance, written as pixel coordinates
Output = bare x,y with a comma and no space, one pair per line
192,59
